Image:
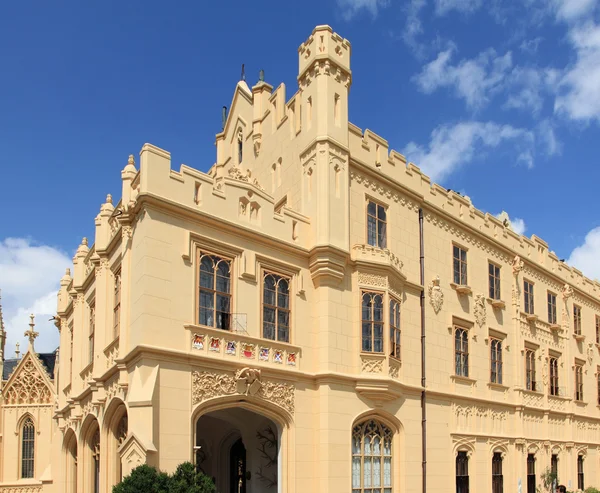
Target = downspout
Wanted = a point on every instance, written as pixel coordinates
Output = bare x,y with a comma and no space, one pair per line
423,375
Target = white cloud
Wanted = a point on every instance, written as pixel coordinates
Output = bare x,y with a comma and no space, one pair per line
586,257
570,10
579,97
350,8
546,138
442,7
413,27
531,46
452,146
29,279
473,80
527,86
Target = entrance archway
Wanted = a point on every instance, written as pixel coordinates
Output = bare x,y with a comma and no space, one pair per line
239,449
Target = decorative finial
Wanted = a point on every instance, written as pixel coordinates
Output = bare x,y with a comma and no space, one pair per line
261,75
109,199
68,272
31,333
243,76
131,160
1,318
17,352
83,242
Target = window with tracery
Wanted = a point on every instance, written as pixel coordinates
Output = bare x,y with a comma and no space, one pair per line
372,458
276,307
27,449
496,361
95,446
214,308
372,322
530,369
578,382
554,376
461,352
117,304
394,328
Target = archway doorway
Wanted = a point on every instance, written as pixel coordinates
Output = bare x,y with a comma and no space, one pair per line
239,449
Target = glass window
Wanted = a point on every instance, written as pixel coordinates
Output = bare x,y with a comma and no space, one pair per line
376,225
371,458
530,369
462,472
496,361
578,382
27,449
598,383
528,290
117,304
276,307
460,265
92,324
372,322
554,465
577,320
494,281
461,351
551,308
597,329
531,473
554,376
580,482
497,477
215,292
395,328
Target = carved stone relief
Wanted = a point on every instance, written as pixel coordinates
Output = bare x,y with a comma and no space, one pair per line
480,312
436,295
371,365
29,386
247,381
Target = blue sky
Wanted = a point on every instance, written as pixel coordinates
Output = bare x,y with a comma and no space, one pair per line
498,100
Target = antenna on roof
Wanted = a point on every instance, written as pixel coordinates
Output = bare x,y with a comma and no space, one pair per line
243,77
261,75
223,117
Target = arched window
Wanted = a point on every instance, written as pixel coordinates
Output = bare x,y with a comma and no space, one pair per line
461,351
497,477
240,145
462,472
530,473
372,322
95,446
27,449
371,458
580,472
276,308
215,291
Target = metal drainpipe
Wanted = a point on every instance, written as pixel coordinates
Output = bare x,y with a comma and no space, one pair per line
423,380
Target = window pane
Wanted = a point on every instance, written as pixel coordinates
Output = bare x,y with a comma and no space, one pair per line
206,280
282,300
371,231
378,338
372,208
366,337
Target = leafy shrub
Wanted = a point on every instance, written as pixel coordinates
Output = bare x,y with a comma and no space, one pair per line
591,489
146,479
187,480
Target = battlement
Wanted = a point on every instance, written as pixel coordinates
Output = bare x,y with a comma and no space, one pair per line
324,44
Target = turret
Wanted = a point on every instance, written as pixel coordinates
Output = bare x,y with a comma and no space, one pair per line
79,263
103,232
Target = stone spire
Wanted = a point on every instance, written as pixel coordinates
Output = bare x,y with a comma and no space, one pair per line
17,352
31,333
2,330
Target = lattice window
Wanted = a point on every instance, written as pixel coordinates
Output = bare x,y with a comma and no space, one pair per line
276,307
530,369
553,376
528,292
497,477
371,458
494,281
117,304
394,328
27,449
462,472
372,322
376,225
29,387
461,351
496,361
551,308
460,265
214,309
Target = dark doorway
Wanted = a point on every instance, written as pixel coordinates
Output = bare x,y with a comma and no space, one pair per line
237,474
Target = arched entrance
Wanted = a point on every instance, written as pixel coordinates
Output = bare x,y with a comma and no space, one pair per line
117,427
239,449
70,455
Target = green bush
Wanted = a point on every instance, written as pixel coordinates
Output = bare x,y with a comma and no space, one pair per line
591,489
146,479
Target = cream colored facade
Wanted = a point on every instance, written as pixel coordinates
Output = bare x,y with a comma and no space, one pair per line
146,375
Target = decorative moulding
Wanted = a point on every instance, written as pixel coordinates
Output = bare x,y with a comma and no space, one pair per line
378,391
579,337
461,288
555,328
531,317
497,303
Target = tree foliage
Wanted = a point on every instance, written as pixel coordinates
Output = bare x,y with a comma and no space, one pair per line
146,479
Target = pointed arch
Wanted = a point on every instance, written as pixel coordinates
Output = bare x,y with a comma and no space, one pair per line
69,450
114,433
27,447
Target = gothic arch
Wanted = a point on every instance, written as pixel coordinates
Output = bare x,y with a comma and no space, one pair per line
22,419
386,418
91,443
115,428
69,454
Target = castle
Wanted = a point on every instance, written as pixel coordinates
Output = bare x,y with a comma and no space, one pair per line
311,314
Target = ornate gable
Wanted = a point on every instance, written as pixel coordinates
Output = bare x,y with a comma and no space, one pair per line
28,384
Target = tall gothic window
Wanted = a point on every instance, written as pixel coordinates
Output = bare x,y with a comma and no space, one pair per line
494,281
92,324
95,446
580,472
496,361
530,369
530,473
462,472
27,448
372,322
276,307
577,320
460,265
578,382
371,458
376,225
215,292
597,329
551,308
554,376
461,351
528,292
117,304
554,464
497,477
240,146
394,328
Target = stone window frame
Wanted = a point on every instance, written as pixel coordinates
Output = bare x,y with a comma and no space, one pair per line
530,354
265,271
576,319
358,429
91,329
462,265
26,420
553,374
395,331
495,341
466,331
200,251
528,296
494,281
117,294
578,394
384,295
368,200
552,310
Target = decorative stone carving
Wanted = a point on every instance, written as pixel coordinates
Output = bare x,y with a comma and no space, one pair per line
479,310
372,365
235,173
247,381
517,265
394,370
590,354
381,190
373,280
567,292
436,295
28,386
